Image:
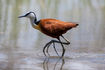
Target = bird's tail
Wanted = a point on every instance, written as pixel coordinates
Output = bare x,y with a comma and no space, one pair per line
77,25
73,25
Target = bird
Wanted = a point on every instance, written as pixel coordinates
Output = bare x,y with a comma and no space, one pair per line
51,27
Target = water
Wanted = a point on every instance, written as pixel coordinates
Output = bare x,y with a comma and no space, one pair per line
21,46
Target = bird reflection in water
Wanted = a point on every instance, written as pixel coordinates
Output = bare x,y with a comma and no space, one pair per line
49,61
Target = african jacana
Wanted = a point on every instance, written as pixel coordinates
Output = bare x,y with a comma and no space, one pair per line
51,27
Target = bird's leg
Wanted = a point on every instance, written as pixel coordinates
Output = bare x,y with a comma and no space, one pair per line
52,41
67,42
55,49
55,41
48,48
45,47
62,47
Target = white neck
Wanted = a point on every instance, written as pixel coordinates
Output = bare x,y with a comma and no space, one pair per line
32,22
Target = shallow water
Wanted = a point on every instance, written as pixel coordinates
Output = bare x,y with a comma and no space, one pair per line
29,61
21,46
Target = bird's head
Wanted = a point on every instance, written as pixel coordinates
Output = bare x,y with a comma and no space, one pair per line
29,15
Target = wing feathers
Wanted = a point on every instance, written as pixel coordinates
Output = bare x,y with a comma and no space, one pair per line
55,27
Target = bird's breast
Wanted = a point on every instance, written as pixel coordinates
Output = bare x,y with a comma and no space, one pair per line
37,27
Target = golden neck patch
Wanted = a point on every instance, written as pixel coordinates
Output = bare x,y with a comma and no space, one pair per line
37,27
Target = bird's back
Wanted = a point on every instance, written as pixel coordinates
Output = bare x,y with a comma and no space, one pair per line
55,28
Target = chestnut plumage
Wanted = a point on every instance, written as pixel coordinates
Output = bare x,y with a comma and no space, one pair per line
55,28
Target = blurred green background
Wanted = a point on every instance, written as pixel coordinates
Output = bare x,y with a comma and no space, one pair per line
17,35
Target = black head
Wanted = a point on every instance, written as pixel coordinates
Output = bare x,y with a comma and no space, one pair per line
29,15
